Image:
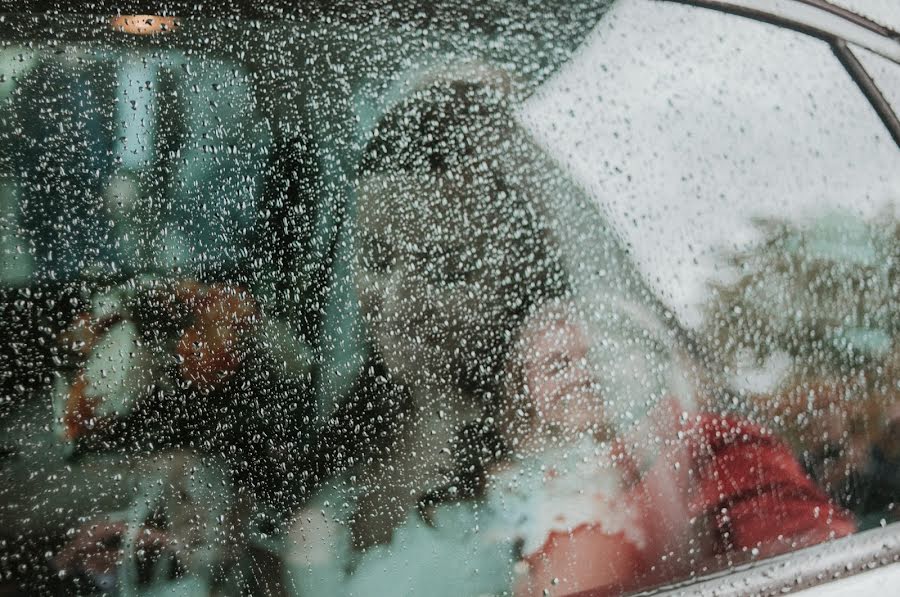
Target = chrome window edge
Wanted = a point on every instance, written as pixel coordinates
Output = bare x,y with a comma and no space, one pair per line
797,570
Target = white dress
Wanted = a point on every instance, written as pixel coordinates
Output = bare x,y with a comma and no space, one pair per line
475,547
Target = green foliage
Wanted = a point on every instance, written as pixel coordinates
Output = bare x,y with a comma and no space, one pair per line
826,295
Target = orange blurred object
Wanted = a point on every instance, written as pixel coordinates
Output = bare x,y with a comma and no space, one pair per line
209,349
143,24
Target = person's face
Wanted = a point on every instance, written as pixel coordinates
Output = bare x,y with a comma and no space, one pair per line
563,392
436,275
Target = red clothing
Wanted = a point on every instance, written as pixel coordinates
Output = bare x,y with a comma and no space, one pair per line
757,492
732,487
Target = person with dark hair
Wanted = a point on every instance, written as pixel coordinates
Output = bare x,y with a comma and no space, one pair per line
480,453
453,259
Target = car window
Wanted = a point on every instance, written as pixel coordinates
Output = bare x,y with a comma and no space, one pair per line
660,86
457,301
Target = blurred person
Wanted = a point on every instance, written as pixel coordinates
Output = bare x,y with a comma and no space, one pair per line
148,468
444,281
724,492
478,454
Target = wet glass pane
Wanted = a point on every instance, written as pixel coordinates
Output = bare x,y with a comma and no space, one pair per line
457,301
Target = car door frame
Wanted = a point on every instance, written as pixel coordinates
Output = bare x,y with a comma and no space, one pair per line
839,27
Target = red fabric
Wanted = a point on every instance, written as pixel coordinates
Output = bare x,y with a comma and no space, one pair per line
744,486
756,491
